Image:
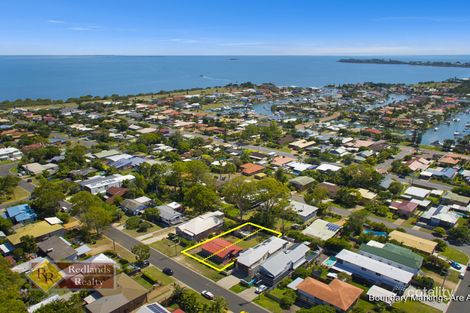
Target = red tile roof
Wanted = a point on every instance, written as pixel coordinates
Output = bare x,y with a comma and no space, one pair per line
250,168
338,293
221,248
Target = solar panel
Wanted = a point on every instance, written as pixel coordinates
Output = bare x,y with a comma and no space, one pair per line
157,308
332,227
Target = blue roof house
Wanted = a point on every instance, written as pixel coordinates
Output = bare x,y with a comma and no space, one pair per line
21,213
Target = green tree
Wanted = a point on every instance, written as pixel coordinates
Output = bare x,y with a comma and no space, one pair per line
201,198
323,308
46,197
240,192
219,305
10,284
141,251
459,234
97,218
273,196
28,243
151,214
355,223
441,232
5,225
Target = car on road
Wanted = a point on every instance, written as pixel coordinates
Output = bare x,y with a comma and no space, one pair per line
143,264
207,294
261,289
455,265
461,275
468,267
168,271
29,180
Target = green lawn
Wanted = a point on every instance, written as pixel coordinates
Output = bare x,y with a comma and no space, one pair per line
456,255
415,306
144,282
167,247
19,194
134,233
203,270
365,306
238,288
269,304
156,275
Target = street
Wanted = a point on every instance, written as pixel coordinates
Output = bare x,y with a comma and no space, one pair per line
463,290
187,276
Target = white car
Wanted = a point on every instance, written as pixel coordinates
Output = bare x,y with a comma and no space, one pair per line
209,295
260,289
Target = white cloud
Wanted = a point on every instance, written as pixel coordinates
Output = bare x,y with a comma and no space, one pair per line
56,21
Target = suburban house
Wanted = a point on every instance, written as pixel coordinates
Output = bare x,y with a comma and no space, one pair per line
133,206
169,215
200,227
248,261
331,188
58,249
413,242
40,231
99,184
304,210
249,169
282,263
302,182
371,270
322,229
404,208
220,250
394,255
416,192
450,197
154,307
37,168
301,144
11,154
337,293
281,161
440,216
127,296
21,213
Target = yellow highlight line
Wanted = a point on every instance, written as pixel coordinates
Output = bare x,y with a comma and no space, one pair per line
203,261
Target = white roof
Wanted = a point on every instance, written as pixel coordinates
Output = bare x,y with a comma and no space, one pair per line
303,209
202,223
376,244
53,220
298,166
328,167
100,258
256,253
416,191
143,199
374,266
383,294
174,205
291,258
118,157
321,229
82,249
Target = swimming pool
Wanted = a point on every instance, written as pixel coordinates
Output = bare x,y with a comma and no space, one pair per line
374,232
330,261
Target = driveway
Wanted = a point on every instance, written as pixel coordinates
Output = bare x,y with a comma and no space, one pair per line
228,281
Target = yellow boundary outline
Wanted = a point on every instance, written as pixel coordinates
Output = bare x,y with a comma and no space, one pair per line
203,261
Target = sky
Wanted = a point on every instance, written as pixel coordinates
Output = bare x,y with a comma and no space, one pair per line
222,27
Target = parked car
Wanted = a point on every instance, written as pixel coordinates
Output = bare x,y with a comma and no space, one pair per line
207,294
455,265
260,289
143,264
168,271
461,275
468,267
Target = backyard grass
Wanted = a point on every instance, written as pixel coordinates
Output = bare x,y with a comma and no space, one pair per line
167,247
364,306
156,275
455,255
18,195
238,288
268,304
415,306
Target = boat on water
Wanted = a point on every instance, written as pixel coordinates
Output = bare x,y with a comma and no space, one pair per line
436,129
436,143
448,122
456,133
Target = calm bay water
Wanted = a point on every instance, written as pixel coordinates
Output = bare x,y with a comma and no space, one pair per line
60,77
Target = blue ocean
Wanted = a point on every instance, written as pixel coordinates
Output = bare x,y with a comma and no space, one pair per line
61,77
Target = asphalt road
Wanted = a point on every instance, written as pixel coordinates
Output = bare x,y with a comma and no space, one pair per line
187,276
463,290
